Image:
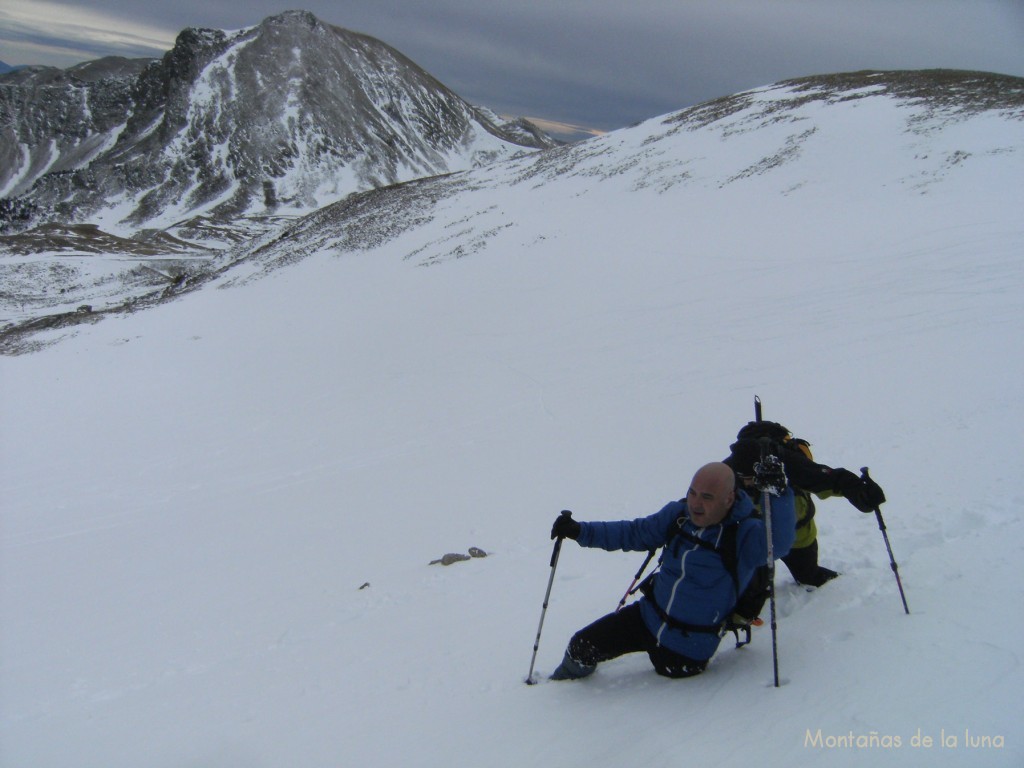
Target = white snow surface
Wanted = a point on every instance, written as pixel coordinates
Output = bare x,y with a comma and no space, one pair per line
194,494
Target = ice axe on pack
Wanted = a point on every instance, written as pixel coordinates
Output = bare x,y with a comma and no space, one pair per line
892,560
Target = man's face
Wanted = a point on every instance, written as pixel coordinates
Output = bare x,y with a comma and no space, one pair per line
710,496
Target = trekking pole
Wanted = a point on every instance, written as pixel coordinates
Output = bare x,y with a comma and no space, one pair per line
892,560
766,505
631,590
547,596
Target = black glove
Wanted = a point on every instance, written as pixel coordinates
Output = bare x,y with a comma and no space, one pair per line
746,452
770,475
565,527
863,492
743,454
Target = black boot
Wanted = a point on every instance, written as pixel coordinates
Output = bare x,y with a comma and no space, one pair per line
803,564
570,669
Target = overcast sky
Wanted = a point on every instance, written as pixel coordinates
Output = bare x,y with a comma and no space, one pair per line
601,64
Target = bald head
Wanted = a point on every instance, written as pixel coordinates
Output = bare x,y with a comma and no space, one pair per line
711,494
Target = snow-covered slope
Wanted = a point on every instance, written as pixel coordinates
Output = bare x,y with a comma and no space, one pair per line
285,116
219,513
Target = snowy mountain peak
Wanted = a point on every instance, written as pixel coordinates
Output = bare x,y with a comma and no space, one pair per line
284,116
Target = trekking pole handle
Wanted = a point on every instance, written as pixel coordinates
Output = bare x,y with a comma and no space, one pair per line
558,541
878,513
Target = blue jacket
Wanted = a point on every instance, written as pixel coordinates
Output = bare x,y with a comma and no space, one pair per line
693,585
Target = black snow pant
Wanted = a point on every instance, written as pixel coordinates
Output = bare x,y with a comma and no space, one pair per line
802,563
625,632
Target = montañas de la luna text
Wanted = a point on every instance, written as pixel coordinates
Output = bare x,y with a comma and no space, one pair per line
877,740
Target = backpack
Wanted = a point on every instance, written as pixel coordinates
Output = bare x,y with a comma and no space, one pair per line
804,474
780,434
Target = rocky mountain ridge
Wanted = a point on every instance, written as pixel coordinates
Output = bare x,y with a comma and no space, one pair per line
815,142
276,119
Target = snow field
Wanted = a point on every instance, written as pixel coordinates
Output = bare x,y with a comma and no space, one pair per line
194,495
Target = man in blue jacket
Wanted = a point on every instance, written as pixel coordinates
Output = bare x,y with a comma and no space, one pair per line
712,546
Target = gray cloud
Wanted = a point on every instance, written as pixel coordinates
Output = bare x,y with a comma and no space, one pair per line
608,64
